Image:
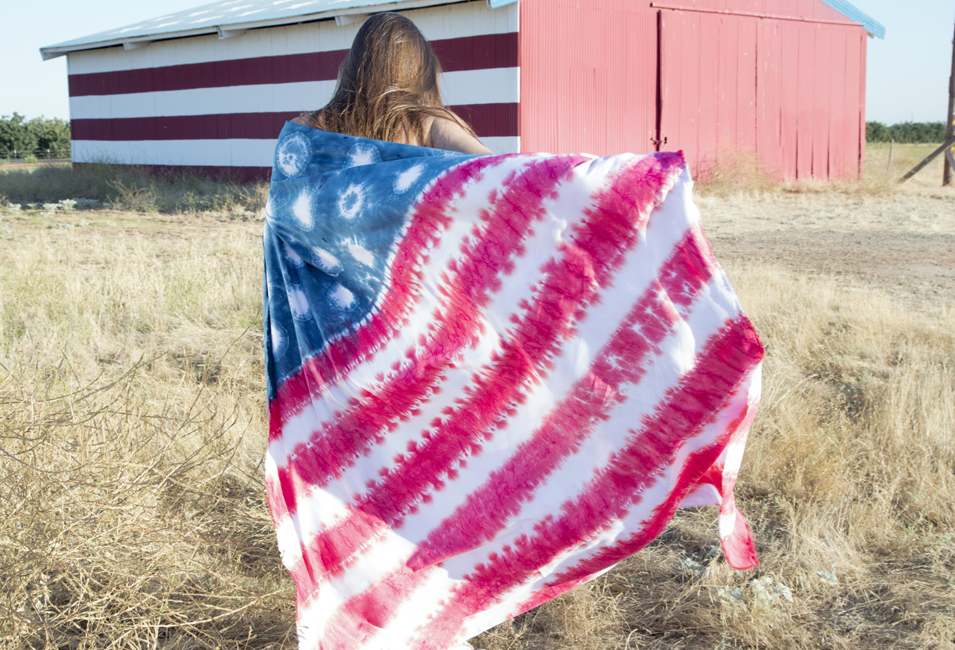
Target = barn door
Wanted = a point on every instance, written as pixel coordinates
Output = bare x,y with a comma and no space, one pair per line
706,103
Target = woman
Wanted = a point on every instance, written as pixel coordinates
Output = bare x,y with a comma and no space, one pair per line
388,90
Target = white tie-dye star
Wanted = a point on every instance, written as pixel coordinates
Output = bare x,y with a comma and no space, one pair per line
362,154
361,254
293,154
299,304
342,297
302,210
407,178
351,201
278,339
326,261
293,257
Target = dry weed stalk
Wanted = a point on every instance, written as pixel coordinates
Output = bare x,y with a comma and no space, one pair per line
129,526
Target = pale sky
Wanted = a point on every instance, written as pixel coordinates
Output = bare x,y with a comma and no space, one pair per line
907,75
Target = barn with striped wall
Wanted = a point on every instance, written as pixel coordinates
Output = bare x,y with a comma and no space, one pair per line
209,89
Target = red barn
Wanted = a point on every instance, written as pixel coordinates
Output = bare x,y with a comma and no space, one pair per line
210,88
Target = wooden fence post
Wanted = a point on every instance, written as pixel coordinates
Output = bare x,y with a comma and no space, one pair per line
950,124
945,148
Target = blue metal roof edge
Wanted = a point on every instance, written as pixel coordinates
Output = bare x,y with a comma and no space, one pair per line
849,11
494,4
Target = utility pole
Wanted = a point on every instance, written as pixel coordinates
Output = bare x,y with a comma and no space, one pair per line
949,146
950,125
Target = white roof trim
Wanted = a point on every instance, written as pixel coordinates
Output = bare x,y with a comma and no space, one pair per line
342,16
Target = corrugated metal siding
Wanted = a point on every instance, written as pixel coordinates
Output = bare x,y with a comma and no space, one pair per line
708,86
838,119
770,143
861,62
588,76
786,90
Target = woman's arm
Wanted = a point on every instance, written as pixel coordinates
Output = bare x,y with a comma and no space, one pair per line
446,134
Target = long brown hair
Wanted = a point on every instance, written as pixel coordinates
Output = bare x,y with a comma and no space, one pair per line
387,86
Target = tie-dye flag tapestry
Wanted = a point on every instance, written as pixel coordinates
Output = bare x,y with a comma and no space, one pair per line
490,379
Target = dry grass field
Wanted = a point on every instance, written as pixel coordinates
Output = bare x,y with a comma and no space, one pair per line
132,434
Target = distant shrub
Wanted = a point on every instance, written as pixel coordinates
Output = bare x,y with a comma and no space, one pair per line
29,158
50,138
906,132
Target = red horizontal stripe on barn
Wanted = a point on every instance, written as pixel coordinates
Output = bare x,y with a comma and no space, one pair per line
456,54
488,120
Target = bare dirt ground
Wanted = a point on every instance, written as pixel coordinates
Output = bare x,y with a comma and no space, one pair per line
902,241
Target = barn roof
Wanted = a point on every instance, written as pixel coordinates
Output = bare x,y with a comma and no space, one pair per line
232,17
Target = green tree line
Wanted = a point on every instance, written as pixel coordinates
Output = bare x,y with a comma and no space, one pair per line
908,132
40,137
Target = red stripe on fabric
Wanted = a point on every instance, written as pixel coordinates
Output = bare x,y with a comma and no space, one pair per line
473,278
621,362
222,173
728,356
738,547
488,120
405,485
456,54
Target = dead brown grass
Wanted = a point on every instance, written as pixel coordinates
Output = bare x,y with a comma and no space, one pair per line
738,171
132,430
735,171
128,188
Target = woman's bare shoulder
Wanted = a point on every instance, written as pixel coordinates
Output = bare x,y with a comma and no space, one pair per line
451,135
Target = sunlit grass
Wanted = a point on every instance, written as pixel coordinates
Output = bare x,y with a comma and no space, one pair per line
132,427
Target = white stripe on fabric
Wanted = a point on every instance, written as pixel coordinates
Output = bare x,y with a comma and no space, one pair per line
489,86
400,631
227,153
450,21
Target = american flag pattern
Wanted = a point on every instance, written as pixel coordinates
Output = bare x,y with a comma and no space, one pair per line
490,379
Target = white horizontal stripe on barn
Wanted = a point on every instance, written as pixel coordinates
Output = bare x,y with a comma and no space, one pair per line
436,23
211,153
